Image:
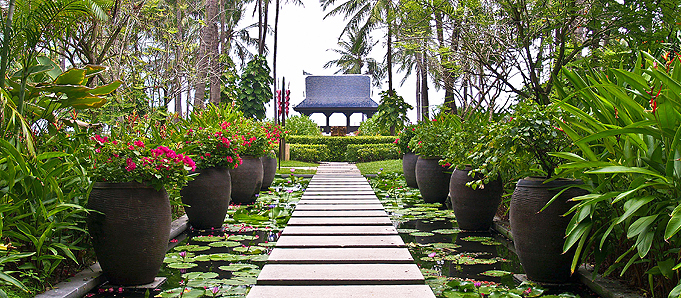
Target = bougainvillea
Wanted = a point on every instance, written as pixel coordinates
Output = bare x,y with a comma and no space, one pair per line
212,147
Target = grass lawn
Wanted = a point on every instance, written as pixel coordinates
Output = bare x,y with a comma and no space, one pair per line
295,163
288,165
388,166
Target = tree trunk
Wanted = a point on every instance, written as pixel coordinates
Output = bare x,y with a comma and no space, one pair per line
178,60
418,86
274,61
212,10
425,105
389,57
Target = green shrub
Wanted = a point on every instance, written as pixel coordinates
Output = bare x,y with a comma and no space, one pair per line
301,125
370,127
371,152
307,152
337,146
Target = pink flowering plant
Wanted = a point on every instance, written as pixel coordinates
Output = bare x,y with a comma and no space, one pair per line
212,147
136,159
252,138
403,138
431,137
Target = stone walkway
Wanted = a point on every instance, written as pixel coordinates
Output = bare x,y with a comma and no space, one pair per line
340,242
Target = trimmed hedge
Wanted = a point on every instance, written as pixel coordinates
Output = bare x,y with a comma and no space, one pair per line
338,146
307,152
372,152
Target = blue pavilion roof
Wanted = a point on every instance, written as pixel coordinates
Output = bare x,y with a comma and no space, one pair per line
339,92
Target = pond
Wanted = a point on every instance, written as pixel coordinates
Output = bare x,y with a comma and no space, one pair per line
457,263
223,262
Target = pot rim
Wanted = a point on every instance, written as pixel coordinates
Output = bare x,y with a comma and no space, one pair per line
540,182
131,184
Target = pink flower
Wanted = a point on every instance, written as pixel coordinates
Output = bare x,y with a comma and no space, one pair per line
432,255
477,284
396,141
97,150
131,147
207,154
139,144
130,165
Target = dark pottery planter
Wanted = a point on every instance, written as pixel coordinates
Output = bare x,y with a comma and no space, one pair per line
539,236
474,208
246,180
207,197
432,180
409,169
269,168
130,230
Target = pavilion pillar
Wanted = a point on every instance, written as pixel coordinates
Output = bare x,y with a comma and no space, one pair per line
347,122
327,129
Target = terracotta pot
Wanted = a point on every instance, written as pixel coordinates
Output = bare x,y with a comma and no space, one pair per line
539,236
474,208
269,167
207,197
432,179
246,180
409,169
130,230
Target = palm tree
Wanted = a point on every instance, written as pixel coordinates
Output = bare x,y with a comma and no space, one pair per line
353,58
365,16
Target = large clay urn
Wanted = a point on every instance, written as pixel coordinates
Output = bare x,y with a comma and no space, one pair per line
246,180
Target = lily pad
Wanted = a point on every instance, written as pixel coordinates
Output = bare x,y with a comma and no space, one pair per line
268,244
447,231
406,231
249,272
200,275
477,238
496,273
240,281
446,245
191,247
492,243
237,267
259,258
208,238
184,292
421,234
224,244
181,265
250,249
241,237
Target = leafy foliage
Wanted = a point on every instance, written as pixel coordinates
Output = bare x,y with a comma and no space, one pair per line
301,125
255,87
393,111
338,145
371,152
370,127
309,152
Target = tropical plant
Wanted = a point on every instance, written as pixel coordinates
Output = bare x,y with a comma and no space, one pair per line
403,138
302,125
252,138
354,56
393,111
431,137
211,147
370,127
256,88
627,126
129,158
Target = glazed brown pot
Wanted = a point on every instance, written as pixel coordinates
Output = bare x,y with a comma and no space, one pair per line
246,180
474,208
130,227
269,168
539,236
409,169
432,179
207,198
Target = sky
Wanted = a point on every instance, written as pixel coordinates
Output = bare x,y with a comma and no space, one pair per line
304,42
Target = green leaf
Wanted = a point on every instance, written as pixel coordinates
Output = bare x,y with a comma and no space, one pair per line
674,224
676,291
640,225
633,205
623,170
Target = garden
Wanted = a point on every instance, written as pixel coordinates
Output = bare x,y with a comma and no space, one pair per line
560,128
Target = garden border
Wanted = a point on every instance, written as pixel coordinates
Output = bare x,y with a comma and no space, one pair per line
86,280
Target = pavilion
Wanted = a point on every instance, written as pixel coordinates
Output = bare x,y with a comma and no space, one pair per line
347,94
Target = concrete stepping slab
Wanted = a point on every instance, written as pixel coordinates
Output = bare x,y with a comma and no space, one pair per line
341,193
341,274
312,201
393,241
340,213
356,221
321,207
374,291
338,230
340,256
333,197
338,189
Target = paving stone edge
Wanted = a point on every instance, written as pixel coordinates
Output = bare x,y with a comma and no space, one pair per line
86,280
606,288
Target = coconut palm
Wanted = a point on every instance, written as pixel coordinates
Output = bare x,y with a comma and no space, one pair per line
363,17
354,54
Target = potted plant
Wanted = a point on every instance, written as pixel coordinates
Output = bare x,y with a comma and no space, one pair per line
408,156
274,133
430,143
207,197
247,177
130,212
540,200
474,191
